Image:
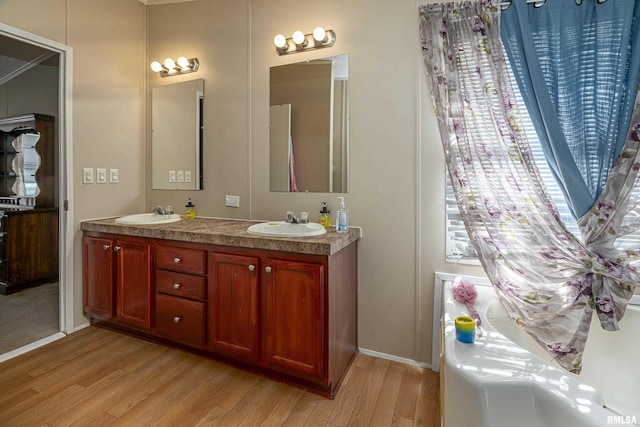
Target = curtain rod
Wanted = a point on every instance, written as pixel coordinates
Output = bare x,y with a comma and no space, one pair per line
538,3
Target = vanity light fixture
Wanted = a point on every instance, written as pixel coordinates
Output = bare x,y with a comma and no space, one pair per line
169,67
300,42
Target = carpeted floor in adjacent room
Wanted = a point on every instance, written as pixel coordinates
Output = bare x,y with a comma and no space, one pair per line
28,316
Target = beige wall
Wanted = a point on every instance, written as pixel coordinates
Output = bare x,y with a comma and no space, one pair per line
108,38
397,167
217,32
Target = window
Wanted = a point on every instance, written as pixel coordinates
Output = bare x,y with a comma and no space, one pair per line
458,246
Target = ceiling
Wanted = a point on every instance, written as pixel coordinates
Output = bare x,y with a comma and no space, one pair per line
16,57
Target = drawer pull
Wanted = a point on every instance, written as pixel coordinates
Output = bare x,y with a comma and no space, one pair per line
252,267
177,319
176,260
267,269
106,247
176,286
117,248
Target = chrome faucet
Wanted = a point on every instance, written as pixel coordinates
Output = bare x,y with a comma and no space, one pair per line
162,211
292,218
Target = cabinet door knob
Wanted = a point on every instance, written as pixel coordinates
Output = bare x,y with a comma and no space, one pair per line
176,286
116,248
252,267
176,260
177,319
106,247
267,269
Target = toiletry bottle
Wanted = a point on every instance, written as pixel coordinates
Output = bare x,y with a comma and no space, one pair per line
325,216
190,210
342,218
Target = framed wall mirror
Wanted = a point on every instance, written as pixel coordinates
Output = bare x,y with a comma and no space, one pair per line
177,136
309,126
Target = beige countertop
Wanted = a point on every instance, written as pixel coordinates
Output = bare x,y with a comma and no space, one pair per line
227,232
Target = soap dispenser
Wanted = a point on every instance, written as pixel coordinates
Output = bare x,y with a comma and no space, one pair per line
190,210
325,216
342,218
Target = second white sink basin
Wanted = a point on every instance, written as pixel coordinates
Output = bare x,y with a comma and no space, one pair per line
285,229
148,219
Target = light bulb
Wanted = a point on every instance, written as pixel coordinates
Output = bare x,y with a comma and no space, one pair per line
156,66
319,34
298,38
169,63
280,41
183,62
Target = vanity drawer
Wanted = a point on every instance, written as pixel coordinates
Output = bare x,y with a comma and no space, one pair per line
180,259
180,284
180,319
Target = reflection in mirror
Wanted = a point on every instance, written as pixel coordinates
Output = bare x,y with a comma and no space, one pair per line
177,136
309,126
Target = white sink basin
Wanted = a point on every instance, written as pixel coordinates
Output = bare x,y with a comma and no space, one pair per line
148,218
284,229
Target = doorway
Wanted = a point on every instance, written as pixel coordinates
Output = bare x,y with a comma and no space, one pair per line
35,78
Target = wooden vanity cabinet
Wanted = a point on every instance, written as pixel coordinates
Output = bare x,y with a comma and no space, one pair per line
180,294
134,284
233,305
286,314
98,266
118,269
293,330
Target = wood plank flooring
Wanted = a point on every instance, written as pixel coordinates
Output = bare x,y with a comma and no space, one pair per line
96,377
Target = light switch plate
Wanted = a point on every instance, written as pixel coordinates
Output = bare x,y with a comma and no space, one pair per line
180,176
187,176
101,176
233,201
172,176
113,176
87,175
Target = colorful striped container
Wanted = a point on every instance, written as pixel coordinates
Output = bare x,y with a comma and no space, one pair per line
465,329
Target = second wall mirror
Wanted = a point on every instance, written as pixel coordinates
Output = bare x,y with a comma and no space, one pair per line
177,136
309,126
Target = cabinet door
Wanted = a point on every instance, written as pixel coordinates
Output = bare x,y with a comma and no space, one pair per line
233,304
133,278
98,276
180,319
293,328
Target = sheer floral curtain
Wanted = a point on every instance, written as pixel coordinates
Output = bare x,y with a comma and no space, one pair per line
547,279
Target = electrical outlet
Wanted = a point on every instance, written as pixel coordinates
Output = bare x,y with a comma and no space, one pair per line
187,176
87,175
233,201
101,176
172,176
180,176
113,176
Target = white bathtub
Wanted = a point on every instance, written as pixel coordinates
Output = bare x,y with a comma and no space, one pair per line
506,379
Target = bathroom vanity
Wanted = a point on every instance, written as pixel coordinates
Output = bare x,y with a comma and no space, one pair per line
283,307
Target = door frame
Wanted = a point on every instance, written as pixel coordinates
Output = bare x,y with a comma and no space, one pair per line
65,180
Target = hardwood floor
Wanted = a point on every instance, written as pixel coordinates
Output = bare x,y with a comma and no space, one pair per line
97,377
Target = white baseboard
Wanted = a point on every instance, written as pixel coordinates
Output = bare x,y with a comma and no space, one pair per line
27,348
394,358
81,326
42,342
